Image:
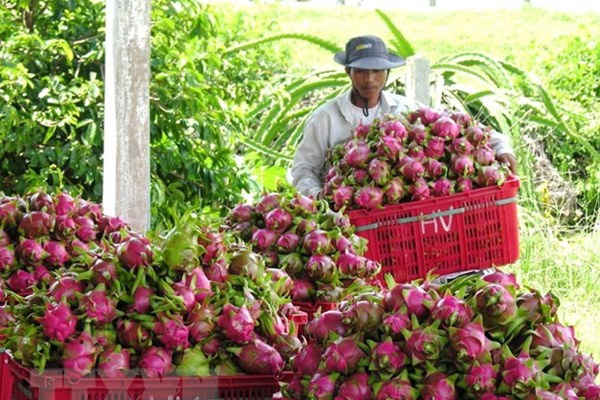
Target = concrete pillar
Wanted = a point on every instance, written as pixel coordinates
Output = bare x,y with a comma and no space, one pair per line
126,186
417,78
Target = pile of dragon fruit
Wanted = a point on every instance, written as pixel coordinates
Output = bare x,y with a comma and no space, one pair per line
477,337
307,242
402,158
83,292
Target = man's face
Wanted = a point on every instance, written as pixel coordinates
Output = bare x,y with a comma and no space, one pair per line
368,82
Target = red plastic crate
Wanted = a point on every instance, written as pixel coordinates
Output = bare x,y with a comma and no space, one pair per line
56,385
461,232
6,377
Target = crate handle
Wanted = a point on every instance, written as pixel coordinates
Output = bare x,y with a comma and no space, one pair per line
425,217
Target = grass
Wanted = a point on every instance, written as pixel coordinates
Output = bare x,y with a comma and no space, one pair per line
521,37
567,265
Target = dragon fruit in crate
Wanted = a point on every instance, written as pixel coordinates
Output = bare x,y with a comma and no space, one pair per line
426,154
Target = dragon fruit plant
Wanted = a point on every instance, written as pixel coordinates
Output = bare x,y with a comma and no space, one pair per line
82,291
423,340
307,242
410,157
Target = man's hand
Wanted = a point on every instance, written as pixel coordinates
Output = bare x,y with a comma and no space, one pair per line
510,160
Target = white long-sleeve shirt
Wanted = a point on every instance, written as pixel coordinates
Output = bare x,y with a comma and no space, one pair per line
334,122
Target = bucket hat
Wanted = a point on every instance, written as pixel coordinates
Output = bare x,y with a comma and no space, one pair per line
367,52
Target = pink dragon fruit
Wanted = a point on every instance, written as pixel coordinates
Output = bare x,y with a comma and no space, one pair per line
369,197
321,325
307,361
114,362
64,227
387,357
64,204
477,135
172,332
66,287
484,156
394,323
156,362
135,253
496,303
399,387
419,190
394,191
86,229
355,387
394,128
5,239
30,252
104,271
481,378
357,154
264,238
342,197
451,311
321,268
435,148
463,184
490,176
21,282
357,177
520,376
438,386
79,355
133,334
379,171
412,298
201,322
417,133
267,202
288,242
442,187
277,220
461,118
462,166
57,254
36,224
553,334
362,130
258,358
425,114
537,308
317,242
410,168
242,213
502,278
98,306
364,315
416,152
7,259
445,127
469,343
58,321
236,323
424,343
322,386
388,148
461,146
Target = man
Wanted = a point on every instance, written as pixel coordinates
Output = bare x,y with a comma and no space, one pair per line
367,63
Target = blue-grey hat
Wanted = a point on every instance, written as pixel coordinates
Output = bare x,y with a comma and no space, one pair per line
367,52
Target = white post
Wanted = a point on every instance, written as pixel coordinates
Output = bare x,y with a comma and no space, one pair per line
417,78
126,186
